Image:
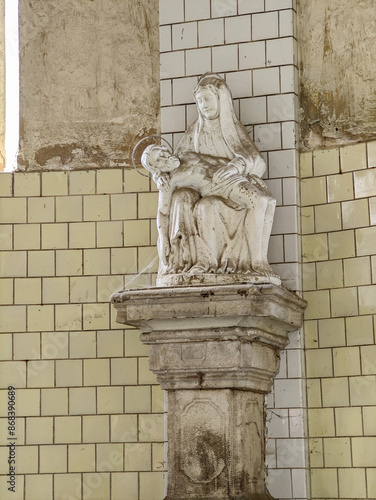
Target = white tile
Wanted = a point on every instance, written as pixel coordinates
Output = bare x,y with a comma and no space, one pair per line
240,83
296,420
184,36
290,453
167,137
283,163
289,79
197,9
295,340
278,4
198,61
238,29
285,220
287,23
282,371
165,38
294,362
290,191
173,119
281,108
275,187
252,55
268,136
292,245
278,423
275,252
289,135
166,92
192,114
299,483
211,32
223,8
225,58
279,483
172,64
270,399
288,393
280,51
250,6
265,26
176,139
271,454
171,11
290,275
183,90
253,110
266,81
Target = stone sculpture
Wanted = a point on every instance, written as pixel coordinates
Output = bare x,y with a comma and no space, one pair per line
215,213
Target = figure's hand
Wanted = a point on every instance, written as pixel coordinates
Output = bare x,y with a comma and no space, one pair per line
224,173
163,182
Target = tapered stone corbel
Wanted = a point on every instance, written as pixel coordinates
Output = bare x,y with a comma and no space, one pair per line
215,349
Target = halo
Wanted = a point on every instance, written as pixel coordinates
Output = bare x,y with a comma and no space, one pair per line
136,146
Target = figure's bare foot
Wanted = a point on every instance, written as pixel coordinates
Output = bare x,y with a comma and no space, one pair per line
263,269
197,269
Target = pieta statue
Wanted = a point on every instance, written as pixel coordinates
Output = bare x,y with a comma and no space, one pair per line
215,213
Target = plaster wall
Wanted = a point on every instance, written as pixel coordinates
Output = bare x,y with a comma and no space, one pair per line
337,45
89,76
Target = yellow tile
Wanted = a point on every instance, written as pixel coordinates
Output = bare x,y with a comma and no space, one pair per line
366,241
107,285
96,429
308,220
82,401
316,453
363,390
314,247
314,393
123,206
335,391
54,401
28,290
369,420
82,235
27,346
55,290
326,161
321,422
359,330
12,210
341,245
319,363
151,427
121,482
328,217
337,452
27,459
110,457
82,182
364,184
53,459
368,358
311,339
371,482
353,157
110,344
137,399
12,264
26,184
40,373
124,371
110,181
371,154
67,429
134,182
145,375
346,361
110,234
153,232
96,486
28,403
367,299
372,210
68,373
12,319
133,344
318,304
148,259
54,183
329,274
352,483
96,207
97,261
124,428
40,483
110,400
364,451
96,316
357,271
6,235
355,214
6,346
83,289
68,262
306,165
68,208
340,187
82,345
54,345
40,318
81,458
41,210
54,236
68,317
6,184
41,263
136,233
158,457
151,485
123,260
349,421
26,237
19,492
332,332
67,486
39,430
309,276
147,205
96,372
137,457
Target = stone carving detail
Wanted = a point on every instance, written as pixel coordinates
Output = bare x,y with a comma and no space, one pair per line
215,213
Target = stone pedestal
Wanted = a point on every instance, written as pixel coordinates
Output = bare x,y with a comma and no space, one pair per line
215,349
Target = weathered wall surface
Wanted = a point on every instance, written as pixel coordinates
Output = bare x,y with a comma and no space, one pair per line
2,84
89,81
338,71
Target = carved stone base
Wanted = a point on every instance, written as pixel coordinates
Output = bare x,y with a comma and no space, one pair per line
185,279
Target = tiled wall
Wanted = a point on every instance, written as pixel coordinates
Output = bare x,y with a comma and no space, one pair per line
252,44
90,413
339,253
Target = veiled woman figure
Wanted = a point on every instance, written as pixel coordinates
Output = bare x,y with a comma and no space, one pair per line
211,234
